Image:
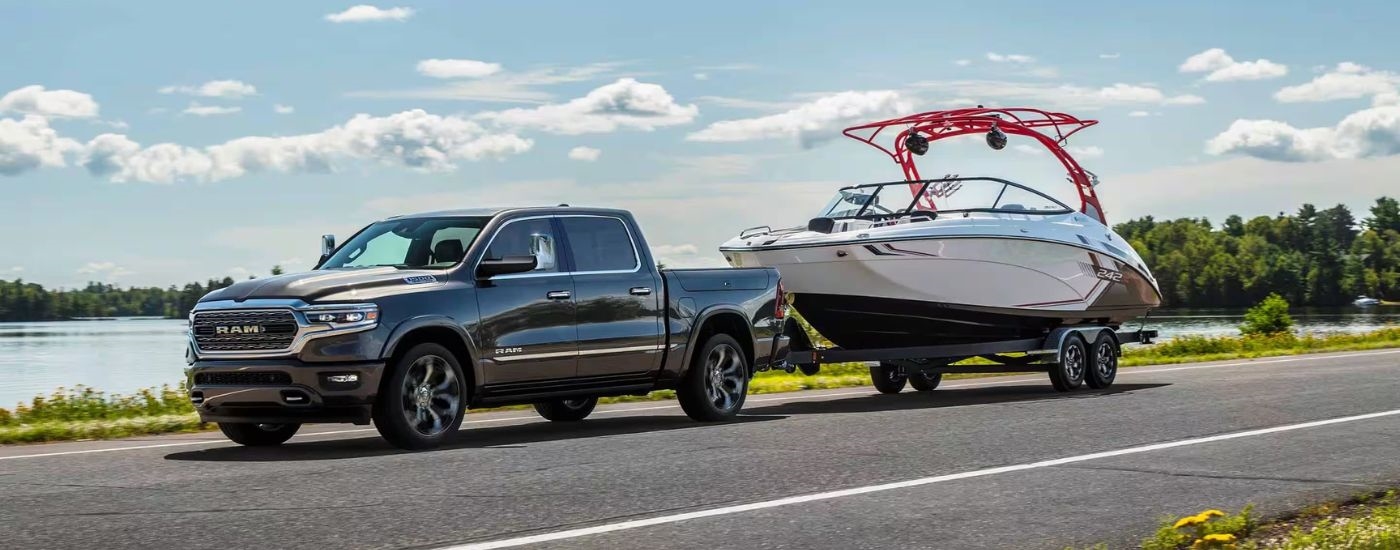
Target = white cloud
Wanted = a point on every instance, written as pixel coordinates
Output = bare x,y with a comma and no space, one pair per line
1066,96
1009,58
962,62
1346,81
283,109
30,143
105,271
810,123
414,139
1110,55
224,89
209,110
1184,99
365,13
1371,132
586,154
1139,114
457,68
625,103
1085,152
35,100
1223,68
701,76
505,86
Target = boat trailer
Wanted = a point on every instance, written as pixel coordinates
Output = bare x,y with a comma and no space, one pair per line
1072,355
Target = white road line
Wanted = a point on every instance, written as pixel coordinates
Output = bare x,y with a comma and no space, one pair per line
728,510
1015,380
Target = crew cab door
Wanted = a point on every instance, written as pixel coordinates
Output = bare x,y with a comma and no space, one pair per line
619,300
527,332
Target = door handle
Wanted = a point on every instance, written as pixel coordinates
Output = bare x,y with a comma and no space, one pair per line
558,295
640,291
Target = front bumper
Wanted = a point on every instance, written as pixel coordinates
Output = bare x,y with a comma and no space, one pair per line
284,391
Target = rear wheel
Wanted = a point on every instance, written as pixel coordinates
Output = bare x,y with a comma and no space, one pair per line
925,381
717,382
258,435
1068,374
888,379
566,410
422,400
1103,361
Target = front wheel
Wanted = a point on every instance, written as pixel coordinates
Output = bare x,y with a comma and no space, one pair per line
566,410
888,379
422,399
718,381
258,435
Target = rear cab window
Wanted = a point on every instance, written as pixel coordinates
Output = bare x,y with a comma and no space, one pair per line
600,244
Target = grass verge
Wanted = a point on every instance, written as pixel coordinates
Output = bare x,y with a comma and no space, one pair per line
1368,521
85,413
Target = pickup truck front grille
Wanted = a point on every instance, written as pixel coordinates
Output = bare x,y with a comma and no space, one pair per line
244,330
242,379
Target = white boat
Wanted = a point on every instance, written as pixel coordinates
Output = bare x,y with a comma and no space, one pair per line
1363,301
955,259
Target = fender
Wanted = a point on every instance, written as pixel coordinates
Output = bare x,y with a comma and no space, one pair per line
435,321
1055,341
693,343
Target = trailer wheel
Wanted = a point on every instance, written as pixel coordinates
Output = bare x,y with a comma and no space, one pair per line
1103,362
925,381
888,378
1068,373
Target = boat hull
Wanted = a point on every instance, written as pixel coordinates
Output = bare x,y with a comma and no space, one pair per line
935,290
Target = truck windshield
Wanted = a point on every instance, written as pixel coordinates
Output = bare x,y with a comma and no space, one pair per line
433,243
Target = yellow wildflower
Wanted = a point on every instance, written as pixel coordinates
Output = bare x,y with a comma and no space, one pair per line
1220,537
1189,521
1212,513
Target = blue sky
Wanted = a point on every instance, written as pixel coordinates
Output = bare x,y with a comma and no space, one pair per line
162,142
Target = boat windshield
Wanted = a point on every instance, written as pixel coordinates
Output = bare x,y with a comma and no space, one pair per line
882,200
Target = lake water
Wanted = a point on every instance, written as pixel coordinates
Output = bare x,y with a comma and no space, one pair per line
126,355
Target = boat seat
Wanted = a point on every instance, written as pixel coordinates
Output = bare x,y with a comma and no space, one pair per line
821,225
1013,206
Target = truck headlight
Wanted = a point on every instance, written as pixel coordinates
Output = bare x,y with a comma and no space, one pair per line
356,315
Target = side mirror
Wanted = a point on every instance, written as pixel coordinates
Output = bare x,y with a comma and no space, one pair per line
327,246
505,266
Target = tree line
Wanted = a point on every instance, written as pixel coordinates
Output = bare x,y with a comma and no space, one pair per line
23,301
1311,258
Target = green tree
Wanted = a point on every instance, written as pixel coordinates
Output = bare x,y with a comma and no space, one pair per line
1269,316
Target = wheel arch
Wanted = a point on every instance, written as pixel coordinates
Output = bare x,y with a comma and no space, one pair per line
728,320
439,330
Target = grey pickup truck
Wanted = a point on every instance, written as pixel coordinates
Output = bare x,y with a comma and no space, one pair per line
415,319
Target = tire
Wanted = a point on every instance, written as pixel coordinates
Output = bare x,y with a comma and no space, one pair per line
1103,362
566,410
715,385
422,398
888,379
922,381
1068,373
259,435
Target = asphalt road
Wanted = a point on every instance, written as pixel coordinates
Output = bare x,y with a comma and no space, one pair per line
990,463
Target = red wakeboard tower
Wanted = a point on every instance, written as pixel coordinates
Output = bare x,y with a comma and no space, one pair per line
919,130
